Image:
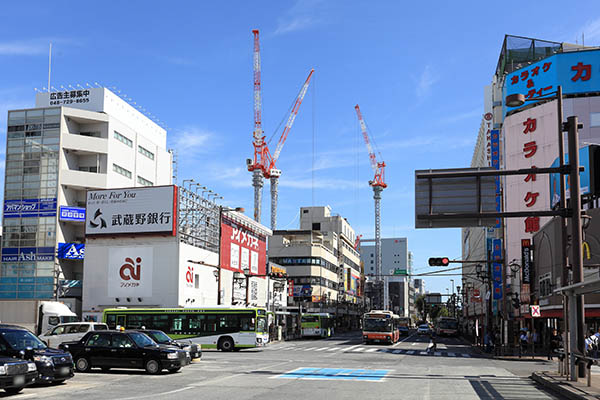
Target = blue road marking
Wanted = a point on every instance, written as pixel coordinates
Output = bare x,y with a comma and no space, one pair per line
369,375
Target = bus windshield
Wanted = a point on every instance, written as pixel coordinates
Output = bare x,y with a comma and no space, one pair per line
448,324
310,318
378,325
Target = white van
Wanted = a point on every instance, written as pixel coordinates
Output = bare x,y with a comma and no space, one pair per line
70,332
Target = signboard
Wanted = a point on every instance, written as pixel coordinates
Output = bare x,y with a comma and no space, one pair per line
571,70
242,248
16,254
587,184
495,156
130,272
30,208
73,251
76,214
526,267
302,290
535,311
433,298
399,271
132,211
453,196
85,98
497,269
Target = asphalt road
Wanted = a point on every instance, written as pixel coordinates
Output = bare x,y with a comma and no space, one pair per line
337,368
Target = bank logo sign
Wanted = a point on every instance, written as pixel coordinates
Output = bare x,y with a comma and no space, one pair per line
72,251
72,214
131,211
130,272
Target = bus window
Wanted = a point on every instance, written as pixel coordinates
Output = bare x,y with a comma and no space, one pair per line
160,322
111,321
121,320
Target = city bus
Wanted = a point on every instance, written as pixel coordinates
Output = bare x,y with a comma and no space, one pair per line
222,328
403,325
317,325
381,326
446,326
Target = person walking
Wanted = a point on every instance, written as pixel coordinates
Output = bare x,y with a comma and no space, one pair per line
523,342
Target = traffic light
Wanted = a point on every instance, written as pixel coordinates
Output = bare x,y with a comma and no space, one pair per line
439,261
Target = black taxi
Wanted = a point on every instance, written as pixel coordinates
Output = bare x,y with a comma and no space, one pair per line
15,374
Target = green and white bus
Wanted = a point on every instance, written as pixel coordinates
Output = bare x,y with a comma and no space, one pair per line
317,324
223,328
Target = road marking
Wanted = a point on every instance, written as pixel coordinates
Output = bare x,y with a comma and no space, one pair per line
351,347
159,394
403,340
359,349
373,375
321,348
437,353
333,349
371,350
410,352
451,355
397,351
466,355
310,348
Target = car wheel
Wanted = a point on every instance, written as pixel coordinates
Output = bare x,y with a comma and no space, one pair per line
153,367
13,390
82,364
226,344
173,370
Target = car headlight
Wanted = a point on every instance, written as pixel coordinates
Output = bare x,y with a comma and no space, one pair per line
45,359
2,370
31,367
172,356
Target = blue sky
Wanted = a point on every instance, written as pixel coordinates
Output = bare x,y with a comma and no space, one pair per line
416,70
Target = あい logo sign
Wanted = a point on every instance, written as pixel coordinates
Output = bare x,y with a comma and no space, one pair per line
130,272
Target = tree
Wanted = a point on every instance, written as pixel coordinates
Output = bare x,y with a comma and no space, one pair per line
421,306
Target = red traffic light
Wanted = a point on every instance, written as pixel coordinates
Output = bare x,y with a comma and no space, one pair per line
439,261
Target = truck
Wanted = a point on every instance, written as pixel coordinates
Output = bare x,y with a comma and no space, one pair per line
37,316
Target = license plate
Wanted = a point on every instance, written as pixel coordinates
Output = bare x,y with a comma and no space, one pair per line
19,380
64,371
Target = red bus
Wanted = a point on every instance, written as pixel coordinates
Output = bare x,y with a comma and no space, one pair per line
381,326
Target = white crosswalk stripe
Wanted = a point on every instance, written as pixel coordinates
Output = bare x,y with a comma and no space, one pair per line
370,350
385,350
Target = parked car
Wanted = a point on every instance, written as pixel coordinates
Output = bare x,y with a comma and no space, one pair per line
424,329
70,332
124,349
160,337
15,374
53,365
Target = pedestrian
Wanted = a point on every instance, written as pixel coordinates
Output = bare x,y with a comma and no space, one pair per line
555,344
592,344
433,340
523,341
487,341
497,342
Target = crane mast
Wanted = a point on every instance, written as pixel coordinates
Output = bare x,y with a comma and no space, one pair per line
256,165
378,184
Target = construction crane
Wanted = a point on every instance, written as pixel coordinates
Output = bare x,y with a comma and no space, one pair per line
263,164
378,184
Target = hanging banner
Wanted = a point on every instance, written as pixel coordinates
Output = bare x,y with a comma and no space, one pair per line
497,269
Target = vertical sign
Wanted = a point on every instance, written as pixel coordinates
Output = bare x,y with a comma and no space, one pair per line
495,144
497,268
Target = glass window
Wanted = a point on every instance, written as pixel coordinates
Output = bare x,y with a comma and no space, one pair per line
142,340
72,329
120,170
123,139
100,327
146,152
122,341
99,340
52,111
144,182
59,330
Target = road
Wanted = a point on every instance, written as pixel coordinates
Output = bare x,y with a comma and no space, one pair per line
337,368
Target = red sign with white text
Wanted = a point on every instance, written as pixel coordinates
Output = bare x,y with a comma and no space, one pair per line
242,248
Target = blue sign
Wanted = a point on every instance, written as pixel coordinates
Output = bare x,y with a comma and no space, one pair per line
369,375
72,214
584,177
73,251
495,149
497,268
30,208
576,72
304,290
31,254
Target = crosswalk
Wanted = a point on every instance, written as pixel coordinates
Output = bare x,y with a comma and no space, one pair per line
371,350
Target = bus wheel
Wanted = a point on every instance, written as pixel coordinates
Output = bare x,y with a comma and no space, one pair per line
226,344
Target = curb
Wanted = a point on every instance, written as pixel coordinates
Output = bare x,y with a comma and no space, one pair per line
564,390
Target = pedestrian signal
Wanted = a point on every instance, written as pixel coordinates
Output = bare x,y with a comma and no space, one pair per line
439,261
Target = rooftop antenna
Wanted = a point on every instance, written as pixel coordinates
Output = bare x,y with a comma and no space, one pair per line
582,39
49,65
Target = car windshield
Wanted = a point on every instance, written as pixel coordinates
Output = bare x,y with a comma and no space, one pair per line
448,324
22,340
424,327
378,325
142,340
160,337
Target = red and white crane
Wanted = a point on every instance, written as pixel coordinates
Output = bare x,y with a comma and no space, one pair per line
263,164
378,184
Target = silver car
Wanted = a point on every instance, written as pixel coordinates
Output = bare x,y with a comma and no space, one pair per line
70,332
424,329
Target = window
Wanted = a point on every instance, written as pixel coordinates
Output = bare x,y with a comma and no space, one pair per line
122,171
122,341
594,119
123,139
89,169
144,182
316,226
146,152
99,340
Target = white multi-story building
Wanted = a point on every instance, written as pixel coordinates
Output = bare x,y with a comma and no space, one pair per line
70,142
396,266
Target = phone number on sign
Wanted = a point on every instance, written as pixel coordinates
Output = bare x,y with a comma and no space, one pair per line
68,101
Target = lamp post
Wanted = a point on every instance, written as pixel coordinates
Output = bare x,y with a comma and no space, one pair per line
575,323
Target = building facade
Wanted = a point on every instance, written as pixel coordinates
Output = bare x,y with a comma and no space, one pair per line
396,266
70,142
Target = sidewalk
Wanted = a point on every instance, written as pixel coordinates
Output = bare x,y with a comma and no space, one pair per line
559,385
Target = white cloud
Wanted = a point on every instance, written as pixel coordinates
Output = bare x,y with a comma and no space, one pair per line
32,47
319,183
462,116
425,82
301,16
190,141
591,31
